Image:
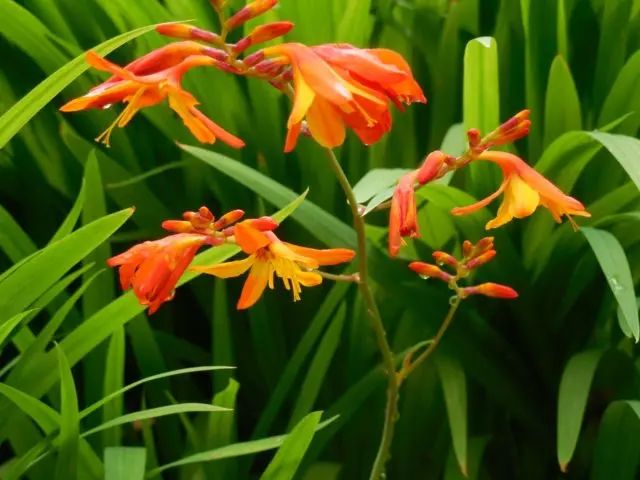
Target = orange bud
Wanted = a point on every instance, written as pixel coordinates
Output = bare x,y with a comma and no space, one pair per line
484,244
254,58
403,221
177,226
474,137
445,259
262,34
264,224
467,248
493,290
480,260
428,270
205,213
188,32
258,7
228,218
431,166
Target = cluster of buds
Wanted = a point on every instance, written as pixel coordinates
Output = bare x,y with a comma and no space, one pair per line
473,257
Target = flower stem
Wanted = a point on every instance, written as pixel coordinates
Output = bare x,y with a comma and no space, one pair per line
391,411
354,277
409,367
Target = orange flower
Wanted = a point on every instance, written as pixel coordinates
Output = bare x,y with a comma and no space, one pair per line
403,217
139,91
268,255
524,189
494,290
154,268
330,98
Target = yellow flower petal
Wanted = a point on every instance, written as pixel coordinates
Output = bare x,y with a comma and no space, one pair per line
228,269
521,198
326,124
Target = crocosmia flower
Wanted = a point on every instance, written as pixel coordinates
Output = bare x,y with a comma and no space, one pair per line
139,91
524,189
269,257
340,86
153,269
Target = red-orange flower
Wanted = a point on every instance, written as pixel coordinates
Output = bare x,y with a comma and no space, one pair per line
524,189
340,86
154,268
269,256
494,290
139,91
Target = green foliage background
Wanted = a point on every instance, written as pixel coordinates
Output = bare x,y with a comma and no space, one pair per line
516,390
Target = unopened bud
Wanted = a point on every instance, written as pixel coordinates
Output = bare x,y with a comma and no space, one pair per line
264,224
228,218
480,260
258,7
431,166
254,58
431,271
474,138
484,244
177,226
493,290
218,4
262,34
445,259
215,54
467,248
188,32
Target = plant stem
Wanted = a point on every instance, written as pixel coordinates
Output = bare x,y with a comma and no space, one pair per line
355,277
391,411
407,369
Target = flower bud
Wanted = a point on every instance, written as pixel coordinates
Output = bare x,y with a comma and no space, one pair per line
228,218
262,34
264,224
474,138
188,32
493,290
445,259
483,245
177,226
218,5
480,260
254,58
428,270
431,166
467,248
258,7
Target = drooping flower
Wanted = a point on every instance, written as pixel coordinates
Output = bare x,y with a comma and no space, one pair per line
139,91
524,189
332,96
269,257
403,216
153,268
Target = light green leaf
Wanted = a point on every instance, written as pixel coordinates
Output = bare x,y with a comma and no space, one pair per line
562,108
69,439
575,385
113,382
290,454
72,218
34,277
8,327
124,462
221,429
376,180
454,385
235,450
625,149
615,267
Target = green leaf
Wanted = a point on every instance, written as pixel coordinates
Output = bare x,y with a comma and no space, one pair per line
113,382
67,464
290,454
20,113
45,416
454,385
625,149
156,413
124,462
481,103
616,449
319,367
562,108
221,429
72,218
477,447
623,96
230,451
575,385
10,325
617,271
376,180
35,277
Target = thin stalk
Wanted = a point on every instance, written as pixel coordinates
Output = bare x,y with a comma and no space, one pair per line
391,411
410,367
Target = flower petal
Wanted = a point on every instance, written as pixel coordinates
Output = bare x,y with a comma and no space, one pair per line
249,238
226,270
326,124
308,279
304,96
255,284
521,198
481,204
331,256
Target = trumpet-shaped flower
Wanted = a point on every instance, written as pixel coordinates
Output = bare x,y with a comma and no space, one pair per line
524,189
331,98
403,217
154,268
269,257
139,91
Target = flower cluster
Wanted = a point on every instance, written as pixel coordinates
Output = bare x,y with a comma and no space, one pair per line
154,268
333,86
473,257
524,189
